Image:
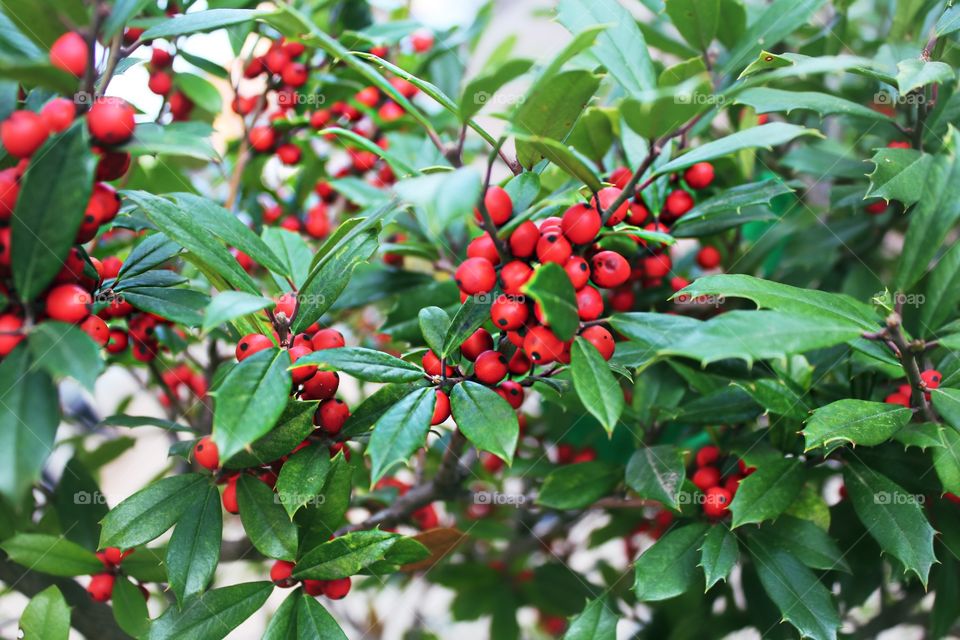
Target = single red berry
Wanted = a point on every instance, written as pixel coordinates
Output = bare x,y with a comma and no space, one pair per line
160,83
295,74
160,58
542,346
657,266
509,314
251,344
327,339
11,335
553,247
112,556
638,214
322,385
68,303
607,196
706,477
578,271
707,455
678,202
478,342
101,586
289,153
112,165
262,138
601,339
491,367
331,416
610,269
368,96
716,501
476,275
314,587
431,364
523,240
514,275
281,573
96,328
89,225
699,176
620,176
483,247
441,409
519,363
276,59
9,192
581,223
512,392
622,298
206,454
23,133
337,589
111,121
498,204
390,111
58,114
301,374
70,52
708,258
119,340
898,144
104,202
421,40
589,303
931,378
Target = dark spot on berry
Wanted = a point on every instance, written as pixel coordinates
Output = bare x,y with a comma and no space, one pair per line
244,346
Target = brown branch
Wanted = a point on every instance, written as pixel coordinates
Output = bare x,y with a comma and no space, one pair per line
909,359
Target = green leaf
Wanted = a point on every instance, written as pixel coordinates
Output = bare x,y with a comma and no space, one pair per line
621,47
768,491
718,554
200,21
183,306
657,473
121,13
148,513
760,335
434,325
153,251
941,294
29,416
550,287
669,567
593,135
345,555
567,159
129,607
292,250
947,403
802,599
182,227
400,431
194,549
597,621
574,486
899,174
597,388
363,418
893,517
469,317
200,91
222,224
485,419
776,22
46,617
652,330
854,421
64,349
265,520
481,90
949,21
914,73
313,621
212,615
250,400
769,100
946,460
810,544
47,216
765,136
696,20
326,517
51,554
930,220
441,198
231,305
776,397
768,294
293,426
725,210
283,622
302,477
186,139
364,364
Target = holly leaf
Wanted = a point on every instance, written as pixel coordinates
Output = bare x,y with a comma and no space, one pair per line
550,287
400,431
211,615
148,513
657,473
485,419
194,549
854,421
768,491
718,554
265,520
364,364
669,567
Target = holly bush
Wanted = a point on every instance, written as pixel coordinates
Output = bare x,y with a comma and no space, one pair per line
652,337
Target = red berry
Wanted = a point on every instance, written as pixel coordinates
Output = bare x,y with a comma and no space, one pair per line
327,339
119,340
229,498
514,275
478,342
708,258
509,314
104,202
483,247
23,133
498,204
678,202
160,83
638,214
931,378
707,455
519,363
301,374
262,138
295,74
9,191
607,196
206,454
578,271
111,121
368,96
101,586
581,224
441,410
541,346
601,339
289,153
716,501
331,415
281,572
96,328
589,303
113,556
314,587
337,589
706,477
160,58
390,111
112,165
523,240
610,269
251,344
68,303
491,367
657,266
553,247
89,225
10,333
421,40
58,114
70,52
322,385
276,59
431,364
512,392
699,176
475,275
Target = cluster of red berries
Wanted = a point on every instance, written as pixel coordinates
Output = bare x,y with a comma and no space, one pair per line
101,584
161,83
718,490
282,575
931,380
